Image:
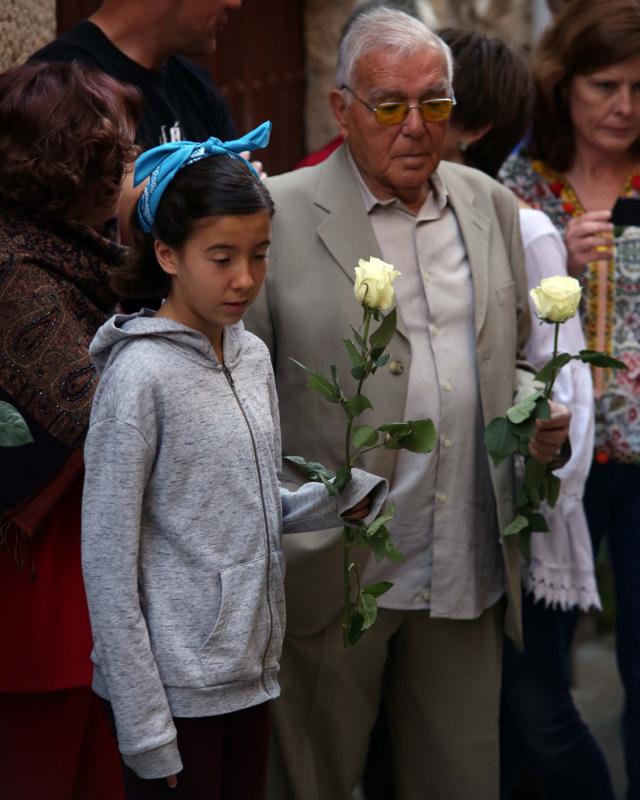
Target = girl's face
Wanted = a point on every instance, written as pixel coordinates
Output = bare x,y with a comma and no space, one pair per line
217,273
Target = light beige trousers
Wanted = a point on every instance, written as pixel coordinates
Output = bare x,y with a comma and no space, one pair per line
441,685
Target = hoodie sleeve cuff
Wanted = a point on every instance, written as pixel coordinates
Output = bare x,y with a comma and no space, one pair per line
157,763
364,483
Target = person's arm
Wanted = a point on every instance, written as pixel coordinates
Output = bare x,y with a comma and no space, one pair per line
118,462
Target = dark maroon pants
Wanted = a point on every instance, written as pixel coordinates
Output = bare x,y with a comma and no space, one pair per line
223,758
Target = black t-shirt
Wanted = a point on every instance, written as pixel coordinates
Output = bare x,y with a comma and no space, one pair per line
180,101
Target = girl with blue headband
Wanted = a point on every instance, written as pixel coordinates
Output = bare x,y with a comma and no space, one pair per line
182,511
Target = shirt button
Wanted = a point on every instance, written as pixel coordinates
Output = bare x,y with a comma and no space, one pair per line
435,331
426,276
441,497
447,386
426,596
396,367
447,442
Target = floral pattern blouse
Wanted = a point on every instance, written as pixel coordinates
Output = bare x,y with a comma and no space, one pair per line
610,306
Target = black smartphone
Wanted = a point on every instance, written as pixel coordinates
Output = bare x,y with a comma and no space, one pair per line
626,212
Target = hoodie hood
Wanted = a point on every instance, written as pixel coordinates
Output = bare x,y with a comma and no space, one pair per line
122,329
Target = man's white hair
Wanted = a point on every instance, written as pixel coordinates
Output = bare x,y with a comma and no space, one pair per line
386,29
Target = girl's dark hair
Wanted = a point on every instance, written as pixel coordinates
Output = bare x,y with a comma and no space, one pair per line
586,36
493,86
218,186
64,128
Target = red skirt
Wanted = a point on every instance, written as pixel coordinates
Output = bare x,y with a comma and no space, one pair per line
44,622
55,739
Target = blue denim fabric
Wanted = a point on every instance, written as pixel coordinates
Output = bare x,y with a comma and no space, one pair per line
612,503
539,723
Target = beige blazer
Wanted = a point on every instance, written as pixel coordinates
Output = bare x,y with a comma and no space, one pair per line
320,231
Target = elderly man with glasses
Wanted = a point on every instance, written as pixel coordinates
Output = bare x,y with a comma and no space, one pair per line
433,656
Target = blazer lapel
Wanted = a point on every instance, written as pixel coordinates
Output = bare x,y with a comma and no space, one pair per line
476,230
345,231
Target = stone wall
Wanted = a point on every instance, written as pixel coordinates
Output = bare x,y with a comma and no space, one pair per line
25,25
324,20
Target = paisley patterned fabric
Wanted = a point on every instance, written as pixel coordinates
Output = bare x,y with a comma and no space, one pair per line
610,306
54,295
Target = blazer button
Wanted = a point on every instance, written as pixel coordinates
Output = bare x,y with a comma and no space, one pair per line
396,367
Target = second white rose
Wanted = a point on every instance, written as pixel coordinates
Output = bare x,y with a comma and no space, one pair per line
556,299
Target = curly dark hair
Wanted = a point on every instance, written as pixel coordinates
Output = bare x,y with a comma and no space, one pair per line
493,87
218,186
66,137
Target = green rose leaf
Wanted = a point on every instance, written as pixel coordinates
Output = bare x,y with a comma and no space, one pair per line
359,340
523,447
14,431
499,439
377,589
313,470
328,485
553,365
354,406
378,545
392,552
536,477
368,607
597,359
342,479
334,377
380,520
538,524
421,438
524,430
520,412
534,471
553,489
543,409
354,356
516,526
381,337
380,362
364,436
320,383
355,629
395,429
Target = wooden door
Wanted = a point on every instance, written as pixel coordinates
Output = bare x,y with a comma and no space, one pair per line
259,67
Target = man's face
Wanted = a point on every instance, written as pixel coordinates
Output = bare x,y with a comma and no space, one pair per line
196,23
394,160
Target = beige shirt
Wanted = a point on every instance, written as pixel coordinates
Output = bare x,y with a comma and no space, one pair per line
445,523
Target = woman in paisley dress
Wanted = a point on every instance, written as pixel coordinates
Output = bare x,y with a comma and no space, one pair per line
582,153
66,135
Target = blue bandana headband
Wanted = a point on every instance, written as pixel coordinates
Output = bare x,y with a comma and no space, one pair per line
160,165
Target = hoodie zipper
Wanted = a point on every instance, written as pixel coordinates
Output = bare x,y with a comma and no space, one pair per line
232,386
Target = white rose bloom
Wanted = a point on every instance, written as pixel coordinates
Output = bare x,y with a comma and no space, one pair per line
556,299
374,283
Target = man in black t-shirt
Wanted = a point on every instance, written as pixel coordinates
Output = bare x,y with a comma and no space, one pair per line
147,44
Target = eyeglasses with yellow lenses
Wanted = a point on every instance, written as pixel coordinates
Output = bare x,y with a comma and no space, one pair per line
395,113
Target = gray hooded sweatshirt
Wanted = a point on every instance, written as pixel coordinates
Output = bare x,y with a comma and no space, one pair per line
181,529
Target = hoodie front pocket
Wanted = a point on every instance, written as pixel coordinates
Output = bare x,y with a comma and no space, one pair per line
235,648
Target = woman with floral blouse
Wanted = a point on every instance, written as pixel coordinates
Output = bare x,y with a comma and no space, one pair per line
583,152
